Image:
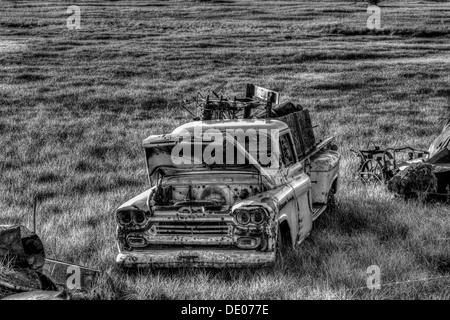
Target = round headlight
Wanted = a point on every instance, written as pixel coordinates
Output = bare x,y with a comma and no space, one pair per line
124,217
258,216
138,217
243,217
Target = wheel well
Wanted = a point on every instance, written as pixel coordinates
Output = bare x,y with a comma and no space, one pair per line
334,186
285,233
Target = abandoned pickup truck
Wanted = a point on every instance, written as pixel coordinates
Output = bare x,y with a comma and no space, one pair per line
229,191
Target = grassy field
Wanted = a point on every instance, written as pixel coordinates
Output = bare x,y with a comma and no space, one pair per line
76,104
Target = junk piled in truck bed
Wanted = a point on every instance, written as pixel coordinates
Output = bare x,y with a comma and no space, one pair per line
26,274
411,172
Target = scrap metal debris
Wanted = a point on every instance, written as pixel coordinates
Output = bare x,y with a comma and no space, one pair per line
417,178
22,259
22,247
38,295
70,276
381,165
408,171
24,268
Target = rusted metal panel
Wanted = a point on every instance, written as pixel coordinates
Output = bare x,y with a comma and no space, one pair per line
37,295
296,133
21,246
195,258
262,93
70,276
11,244
303,120
302,131
324,170
325,161
440,144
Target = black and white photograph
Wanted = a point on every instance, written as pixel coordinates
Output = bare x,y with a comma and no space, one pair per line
224,154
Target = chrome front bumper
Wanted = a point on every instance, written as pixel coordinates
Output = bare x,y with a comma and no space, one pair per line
195,258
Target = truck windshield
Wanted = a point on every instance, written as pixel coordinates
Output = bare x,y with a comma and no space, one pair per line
247,152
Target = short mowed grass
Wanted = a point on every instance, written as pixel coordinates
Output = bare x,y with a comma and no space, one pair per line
76,104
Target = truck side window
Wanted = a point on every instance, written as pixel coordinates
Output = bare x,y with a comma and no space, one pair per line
287,154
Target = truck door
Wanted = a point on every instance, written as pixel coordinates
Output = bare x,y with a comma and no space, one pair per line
301,217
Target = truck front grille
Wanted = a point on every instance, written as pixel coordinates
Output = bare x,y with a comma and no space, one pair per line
192,228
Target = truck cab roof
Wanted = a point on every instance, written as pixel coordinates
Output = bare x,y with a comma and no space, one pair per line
222,125
235,124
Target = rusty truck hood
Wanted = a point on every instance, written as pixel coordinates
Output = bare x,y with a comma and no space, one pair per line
159,147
